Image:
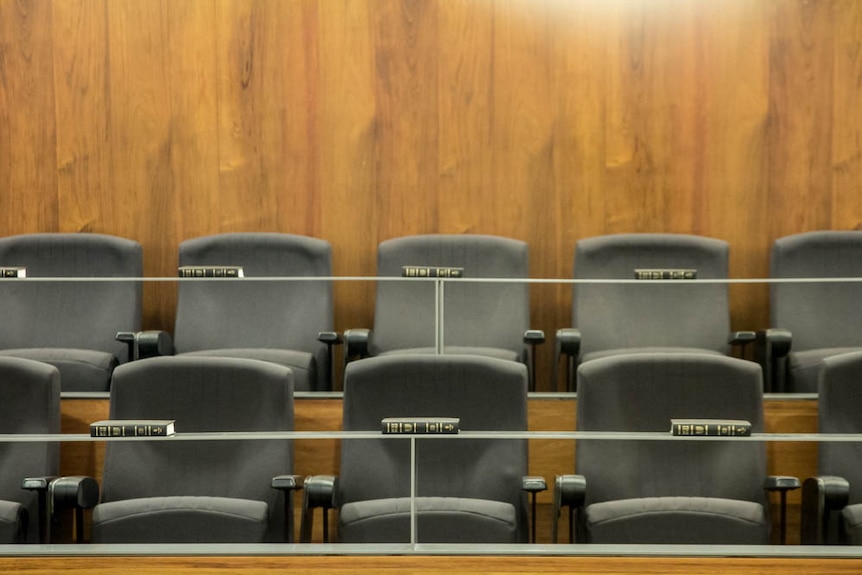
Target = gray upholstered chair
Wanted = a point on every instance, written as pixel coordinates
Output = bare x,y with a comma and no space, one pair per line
684,491
29,403
832,500
70,324
647,316
468,490
169,490
282,321
811,320
484,318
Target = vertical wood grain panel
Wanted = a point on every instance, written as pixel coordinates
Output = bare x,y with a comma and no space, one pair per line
654,118
406,95
800,110
847,116
193,200
349,153
731,191
268,121
522,123
28,175
465,71
139,135
85,185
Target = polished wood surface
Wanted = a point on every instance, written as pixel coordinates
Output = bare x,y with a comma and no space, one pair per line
427,565
359,120
548,457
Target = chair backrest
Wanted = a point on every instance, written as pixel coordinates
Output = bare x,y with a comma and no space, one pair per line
644,313
493,315
29,403
819,315
839,408
239,313
71,314
487,394
202,394
642,393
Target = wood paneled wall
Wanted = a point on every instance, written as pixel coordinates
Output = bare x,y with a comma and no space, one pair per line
360,120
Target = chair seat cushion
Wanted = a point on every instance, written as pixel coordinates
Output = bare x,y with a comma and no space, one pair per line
180,519
302,364
80,369
853,523
439,520
650,350
803,367
13,522
498,353
677,520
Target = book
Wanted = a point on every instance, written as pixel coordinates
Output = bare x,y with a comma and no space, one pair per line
431,272
665,274
132,428
418,425
13,272
211,272
717,427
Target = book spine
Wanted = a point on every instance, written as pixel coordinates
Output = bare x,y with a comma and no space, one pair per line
129,430
419,427
643,274
711,429
13,272
431,272
210,272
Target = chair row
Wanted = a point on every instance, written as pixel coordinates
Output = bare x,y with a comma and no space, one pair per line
72,324
633,490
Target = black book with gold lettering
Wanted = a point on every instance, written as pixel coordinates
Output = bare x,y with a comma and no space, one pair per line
417,425
712,427
132,428
665,274
210,272
431,272
13,272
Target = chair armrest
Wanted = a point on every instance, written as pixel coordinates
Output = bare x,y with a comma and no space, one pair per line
533,337
78,492
288,484
567,343
331,339
533,484
741,337
771,347
40,486
319,492
569,491
356,343
782,484
820,495
144,344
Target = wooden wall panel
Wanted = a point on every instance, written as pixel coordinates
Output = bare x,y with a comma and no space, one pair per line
349,153
28,143
847,116
361,120
800,115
